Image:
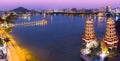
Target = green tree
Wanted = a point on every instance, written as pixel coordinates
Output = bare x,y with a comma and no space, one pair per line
1,42
7,40
1,20
11,18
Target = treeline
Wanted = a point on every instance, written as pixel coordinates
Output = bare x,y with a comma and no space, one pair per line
9,18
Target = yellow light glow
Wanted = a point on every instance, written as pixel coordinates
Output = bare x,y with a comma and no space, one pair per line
104,48
16,52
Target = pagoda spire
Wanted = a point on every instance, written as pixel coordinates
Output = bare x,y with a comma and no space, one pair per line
110,38
89,36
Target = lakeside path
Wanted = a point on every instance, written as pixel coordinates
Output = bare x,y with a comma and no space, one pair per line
15,52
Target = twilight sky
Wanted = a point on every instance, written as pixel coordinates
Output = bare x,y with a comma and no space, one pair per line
56,4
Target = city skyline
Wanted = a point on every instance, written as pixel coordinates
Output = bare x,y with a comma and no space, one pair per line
52,4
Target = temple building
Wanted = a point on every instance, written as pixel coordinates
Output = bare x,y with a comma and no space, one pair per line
89,37
110,38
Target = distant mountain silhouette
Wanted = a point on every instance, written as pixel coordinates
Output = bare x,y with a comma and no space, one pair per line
20,10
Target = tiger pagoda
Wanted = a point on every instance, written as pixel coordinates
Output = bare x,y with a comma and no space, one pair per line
110,38
89,37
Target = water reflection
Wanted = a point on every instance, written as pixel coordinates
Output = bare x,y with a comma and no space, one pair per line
29,18
100,21
116,18
51,18
95,17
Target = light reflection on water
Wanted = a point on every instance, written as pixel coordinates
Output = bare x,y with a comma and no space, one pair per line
101,20
59,40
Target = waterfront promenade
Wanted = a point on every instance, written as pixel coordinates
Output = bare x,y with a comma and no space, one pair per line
14,51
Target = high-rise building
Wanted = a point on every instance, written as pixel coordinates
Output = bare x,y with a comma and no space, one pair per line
108,8
102,9
110,38
89,37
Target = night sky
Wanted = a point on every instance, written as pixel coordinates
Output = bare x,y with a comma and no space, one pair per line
56,4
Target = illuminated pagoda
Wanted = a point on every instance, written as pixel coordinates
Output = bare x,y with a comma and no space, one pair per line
110,38
89,38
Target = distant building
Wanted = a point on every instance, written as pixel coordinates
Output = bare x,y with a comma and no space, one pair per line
102,9
108,8
50,11
73,10
109,12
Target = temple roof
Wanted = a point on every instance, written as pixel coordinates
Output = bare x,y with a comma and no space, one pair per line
110,21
